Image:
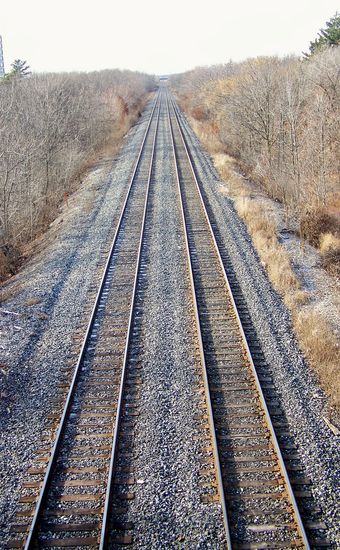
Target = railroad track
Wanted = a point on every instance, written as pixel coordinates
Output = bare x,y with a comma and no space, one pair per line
85,479
302,487
258,503
79,496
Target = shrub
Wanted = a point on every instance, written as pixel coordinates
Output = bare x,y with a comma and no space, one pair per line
331,261
316,223
52,127
9,261
321,347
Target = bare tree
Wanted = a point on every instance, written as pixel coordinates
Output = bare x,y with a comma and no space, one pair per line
50,127
279,118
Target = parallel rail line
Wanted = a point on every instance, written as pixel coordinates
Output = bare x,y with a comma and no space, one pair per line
250,469
85,476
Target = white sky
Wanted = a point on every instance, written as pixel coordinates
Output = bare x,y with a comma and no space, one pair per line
155,36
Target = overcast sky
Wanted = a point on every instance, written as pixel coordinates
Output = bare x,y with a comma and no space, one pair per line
155,36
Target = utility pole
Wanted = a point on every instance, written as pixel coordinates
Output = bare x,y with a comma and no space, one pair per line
2,67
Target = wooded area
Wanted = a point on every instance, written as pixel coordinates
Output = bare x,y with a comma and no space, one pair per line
51,126
280,119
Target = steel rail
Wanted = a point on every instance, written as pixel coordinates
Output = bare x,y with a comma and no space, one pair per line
29,544
106,519
268,421
201,348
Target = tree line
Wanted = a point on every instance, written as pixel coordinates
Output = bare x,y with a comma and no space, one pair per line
279,117
51,125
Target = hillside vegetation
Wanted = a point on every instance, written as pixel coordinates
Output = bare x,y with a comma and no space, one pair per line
52,126
272,125
279,118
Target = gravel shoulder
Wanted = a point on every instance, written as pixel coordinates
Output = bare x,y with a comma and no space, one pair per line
42,307
300,396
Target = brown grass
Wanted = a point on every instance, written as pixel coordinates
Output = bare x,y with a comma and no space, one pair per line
42,316
316,223
10,291
331,262
315,334
3,266
32,302
10,258
321,347
330,250
263,230
328,242
297,298
261,227
207,135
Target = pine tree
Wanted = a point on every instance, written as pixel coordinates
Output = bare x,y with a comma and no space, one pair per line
20,68
328,37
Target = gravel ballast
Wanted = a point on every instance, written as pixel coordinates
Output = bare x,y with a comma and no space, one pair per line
300,396
167,511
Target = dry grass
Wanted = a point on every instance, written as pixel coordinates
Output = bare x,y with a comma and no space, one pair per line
32,302
331,262
297,298
4,268
207,135
321,347
263,230
10,258
225,165
42,316
330,250
10,291
314,332
328,242
315,223
261,227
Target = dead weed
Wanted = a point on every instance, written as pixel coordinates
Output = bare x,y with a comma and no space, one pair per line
321,347
313,331
32,302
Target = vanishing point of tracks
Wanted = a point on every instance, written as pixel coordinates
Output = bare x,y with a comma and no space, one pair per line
79,497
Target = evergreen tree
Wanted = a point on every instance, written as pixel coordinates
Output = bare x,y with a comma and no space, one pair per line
328,37
20,68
